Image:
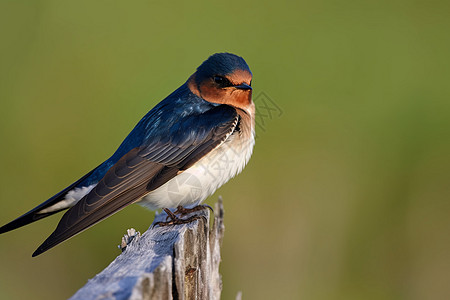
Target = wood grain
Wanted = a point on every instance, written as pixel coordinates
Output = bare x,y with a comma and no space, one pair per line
172,262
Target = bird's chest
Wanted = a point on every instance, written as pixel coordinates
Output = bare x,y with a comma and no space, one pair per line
224,162
205,176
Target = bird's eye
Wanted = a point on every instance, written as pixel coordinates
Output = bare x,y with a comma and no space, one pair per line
222,81
218,79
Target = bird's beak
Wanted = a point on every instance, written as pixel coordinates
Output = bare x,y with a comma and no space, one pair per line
243,86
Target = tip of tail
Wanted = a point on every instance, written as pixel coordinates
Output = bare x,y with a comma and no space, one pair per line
37,252
42,248
49,243
11,226
3,229
29,217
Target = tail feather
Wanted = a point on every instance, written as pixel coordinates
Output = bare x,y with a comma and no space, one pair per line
26,219
34,215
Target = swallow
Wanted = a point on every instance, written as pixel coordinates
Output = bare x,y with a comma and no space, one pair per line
178,154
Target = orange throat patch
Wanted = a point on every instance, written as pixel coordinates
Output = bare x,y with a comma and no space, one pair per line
229,95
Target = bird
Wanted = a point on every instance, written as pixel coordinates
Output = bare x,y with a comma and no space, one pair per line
178,154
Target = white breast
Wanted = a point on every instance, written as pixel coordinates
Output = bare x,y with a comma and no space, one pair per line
204,177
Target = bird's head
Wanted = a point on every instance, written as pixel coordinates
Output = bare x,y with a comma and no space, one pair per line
223,78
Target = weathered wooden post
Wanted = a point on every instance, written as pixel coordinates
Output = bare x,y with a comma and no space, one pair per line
171,262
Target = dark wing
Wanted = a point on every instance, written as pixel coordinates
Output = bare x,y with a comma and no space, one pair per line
146,168
34,215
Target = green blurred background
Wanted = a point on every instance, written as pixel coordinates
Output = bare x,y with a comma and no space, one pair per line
347,193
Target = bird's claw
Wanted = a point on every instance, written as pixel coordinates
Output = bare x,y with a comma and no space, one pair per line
185,211
172,218
179,221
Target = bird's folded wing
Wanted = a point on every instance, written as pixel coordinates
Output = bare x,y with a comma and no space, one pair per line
146,168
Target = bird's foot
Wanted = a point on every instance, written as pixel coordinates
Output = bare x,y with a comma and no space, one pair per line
174,220
131,235
185,211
